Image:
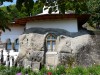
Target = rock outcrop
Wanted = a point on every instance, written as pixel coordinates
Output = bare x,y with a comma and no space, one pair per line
83,46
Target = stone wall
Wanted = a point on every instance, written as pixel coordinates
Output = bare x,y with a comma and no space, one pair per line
83,46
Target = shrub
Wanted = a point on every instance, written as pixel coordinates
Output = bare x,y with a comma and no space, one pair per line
80,71
59,70
43,70
95,70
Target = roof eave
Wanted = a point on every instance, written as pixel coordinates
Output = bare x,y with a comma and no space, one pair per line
80,18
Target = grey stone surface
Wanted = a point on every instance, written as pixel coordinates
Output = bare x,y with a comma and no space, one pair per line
64,44
27,63
64,57
35,66
29,43
36,56
31,56
83,46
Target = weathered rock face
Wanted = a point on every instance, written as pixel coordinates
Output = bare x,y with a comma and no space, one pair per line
79,47
83,46
31,46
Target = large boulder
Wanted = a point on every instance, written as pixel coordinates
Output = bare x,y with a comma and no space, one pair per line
83,46
29,43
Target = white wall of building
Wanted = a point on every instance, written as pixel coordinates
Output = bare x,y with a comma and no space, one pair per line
13,34
68,25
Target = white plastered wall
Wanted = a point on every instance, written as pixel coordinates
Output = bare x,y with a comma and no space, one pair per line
68,25
13,34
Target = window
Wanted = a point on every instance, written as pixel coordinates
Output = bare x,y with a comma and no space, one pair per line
8,45
50,42
16,45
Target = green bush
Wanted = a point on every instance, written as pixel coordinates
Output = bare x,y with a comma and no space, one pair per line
60,70
43,70
93,70
80,71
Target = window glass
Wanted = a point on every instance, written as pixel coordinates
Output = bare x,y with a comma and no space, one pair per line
48,45
48,37
8,44
50,42
53,38
16,45
53,45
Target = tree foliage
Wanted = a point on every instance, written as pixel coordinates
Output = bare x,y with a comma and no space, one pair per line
28,4
32,7
91,7
4,20
79,6
11,13
94,10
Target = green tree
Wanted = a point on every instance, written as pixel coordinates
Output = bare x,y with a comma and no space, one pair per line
4,20
15,14
94,10
91,7
11,13
62,5
28,4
